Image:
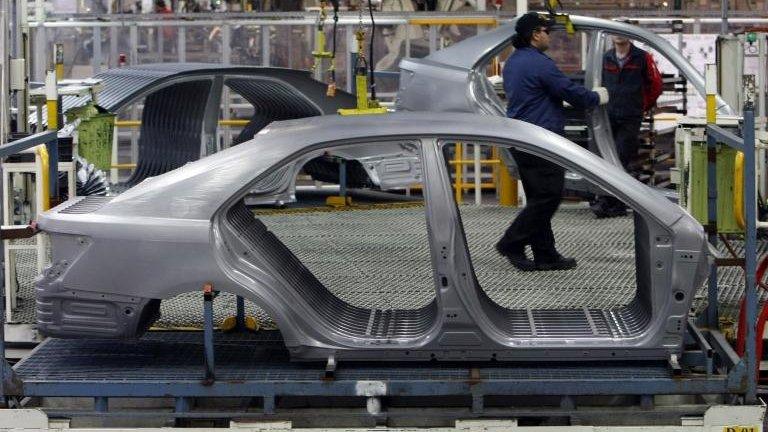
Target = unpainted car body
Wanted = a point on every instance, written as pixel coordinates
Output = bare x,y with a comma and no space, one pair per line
454,80
115,259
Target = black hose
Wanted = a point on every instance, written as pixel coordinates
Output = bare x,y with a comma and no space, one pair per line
370,52
333,50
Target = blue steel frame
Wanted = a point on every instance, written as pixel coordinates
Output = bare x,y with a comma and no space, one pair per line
716,135
725,372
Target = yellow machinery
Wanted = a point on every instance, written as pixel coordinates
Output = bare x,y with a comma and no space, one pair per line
365,105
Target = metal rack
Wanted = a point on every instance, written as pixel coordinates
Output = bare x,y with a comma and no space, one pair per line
212,364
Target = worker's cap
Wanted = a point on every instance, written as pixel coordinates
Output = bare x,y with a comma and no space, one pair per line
529,22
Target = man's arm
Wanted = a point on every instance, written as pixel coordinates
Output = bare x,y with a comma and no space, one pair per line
559,85
652,83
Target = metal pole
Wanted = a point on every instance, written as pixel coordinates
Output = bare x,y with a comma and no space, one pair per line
160,43
711,87
762,47
432,39
750,252
20,50
478,176
133,37
113,54
4,76
181,44
41,42
265,54
226,44
712,312
724,16
208,295
350,57
96,62
4,125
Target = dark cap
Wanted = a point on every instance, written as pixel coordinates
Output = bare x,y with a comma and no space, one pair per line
529,22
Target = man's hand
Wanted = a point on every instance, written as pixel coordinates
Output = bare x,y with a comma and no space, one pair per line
602,93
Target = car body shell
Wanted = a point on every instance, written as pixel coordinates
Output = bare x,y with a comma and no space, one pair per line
115,259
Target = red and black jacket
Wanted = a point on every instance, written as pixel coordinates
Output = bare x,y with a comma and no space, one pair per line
634,88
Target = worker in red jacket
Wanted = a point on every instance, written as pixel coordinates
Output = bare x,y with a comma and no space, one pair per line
634,83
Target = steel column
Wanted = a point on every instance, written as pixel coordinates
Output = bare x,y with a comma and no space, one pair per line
114,56
750,252
133,37
96,61
265,49
432,39
712,309
351,53
226,44
181,44
160,44
209,360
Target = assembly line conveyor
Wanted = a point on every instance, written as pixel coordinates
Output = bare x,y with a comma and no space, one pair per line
187,365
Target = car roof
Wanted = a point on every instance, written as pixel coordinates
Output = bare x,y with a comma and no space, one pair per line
198,189
476,51
122,86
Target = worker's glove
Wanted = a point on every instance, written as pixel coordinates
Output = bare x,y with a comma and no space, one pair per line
602,93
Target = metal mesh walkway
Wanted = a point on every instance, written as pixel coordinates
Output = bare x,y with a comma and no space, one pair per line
379,258
174,356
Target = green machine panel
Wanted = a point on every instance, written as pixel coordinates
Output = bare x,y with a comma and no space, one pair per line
697,175
94,134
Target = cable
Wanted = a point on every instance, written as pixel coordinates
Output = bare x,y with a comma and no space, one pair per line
335,4
370,52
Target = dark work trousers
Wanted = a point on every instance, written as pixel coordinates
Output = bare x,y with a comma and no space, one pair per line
626,136
543,182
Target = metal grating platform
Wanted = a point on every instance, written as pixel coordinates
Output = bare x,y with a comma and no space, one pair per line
379,258
177,356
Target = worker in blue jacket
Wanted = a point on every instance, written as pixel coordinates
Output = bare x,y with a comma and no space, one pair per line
535,90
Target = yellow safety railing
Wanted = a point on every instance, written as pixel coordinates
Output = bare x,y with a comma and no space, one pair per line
500,178
124,166
454,21
42,152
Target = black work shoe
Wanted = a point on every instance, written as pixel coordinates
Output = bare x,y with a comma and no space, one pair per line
516,257
558,263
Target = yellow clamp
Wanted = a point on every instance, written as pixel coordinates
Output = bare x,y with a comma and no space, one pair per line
565,20
230,323
738,191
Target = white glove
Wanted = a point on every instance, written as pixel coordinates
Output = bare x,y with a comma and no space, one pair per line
602,93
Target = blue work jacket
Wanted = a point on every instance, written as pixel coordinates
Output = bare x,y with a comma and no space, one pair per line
536,88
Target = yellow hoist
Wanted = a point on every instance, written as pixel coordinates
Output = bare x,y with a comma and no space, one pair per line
364,104
559,18
320,51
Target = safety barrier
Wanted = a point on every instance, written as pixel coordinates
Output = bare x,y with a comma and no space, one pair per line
501,180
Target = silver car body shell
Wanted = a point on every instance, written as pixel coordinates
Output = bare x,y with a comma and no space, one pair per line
173,233
452,79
